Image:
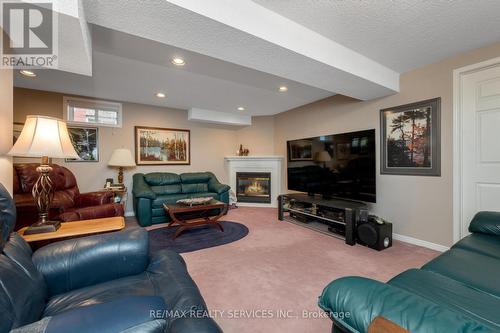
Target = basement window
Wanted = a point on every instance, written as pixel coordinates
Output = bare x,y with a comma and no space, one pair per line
92,112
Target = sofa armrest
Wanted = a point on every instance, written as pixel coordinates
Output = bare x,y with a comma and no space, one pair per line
94,198
486,223
215,186
219,188
127,314
354,302
141,189
90,213
81,262
194,325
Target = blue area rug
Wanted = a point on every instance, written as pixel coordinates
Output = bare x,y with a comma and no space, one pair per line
196,239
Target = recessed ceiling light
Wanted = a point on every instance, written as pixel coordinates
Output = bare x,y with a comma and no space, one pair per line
160,95
27,73
178,61
283,88
240,108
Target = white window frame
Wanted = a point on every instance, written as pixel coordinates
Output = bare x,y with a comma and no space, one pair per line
94,104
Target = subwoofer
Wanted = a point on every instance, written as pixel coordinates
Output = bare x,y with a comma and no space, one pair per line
374,235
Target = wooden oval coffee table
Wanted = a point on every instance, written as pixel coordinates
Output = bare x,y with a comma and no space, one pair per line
188,217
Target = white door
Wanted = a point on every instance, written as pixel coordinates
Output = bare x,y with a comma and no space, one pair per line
480,142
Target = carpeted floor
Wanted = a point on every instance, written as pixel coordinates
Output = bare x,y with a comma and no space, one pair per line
279,266
279,269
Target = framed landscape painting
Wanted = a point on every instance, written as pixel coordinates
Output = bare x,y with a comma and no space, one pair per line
17,128
300,150
411,139
162,146
85,140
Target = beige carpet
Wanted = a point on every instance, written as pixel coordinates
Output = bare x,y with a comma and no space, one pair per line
270,280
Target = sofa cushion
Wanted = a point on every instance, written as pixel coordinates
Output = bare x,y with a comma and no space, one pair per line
21,285
166,276
353,303
129,313
486,223
61,177
162,178
155,212
195,177
166,189
204,195
450,293
471,268
194,188
76,263
170,199
481,243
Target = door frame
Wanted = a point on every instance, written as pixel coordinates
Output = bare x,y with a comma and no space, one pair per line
457,139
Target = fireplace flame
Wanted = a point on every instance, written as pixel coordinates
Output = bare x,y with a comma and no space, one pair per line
254,187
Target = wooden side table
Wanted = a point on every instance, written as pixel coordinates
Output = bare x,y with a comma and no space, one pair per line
76,229
121,194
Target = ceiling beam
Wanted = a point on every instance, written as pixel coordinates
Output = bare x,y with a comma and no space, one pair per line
247,34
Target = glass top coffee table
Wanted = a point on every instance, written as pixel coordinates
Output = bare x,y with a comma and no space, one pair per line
188,217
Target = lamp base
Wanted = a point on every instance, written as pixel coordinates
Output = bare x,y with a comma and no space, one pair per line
42,227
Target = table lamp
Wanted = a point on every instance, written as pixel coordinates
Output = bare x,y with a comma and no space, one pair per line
323,156
43,137
121,158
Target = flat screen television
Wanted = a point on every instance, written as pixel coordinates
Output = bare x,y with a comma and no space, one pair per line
338,165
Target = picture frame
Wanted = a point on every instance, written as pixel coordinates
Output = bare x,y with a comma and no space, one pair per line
85,140
17,128
162,146
343,151
300,150
411,139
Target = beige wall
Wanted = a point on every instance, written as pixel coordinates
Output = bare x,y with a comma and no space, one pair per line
419,207
259,137
209,143
6,110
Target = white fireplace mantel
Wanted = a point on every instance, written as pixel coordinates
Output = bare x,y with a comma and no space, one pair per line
270,164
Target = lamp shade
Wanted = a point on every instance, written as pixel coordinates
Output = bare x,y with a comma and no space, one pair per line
44,136
323,156
121,158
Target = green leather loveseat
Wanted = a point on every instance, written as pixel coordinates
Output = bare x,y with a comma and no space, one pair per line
150,191
458,291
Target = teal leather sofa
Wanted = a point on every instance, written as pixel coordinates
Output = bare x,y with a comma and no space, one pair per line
150,191
458,291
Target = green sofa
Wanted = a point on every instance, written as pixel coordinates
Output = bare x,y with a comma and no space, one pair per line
458,291
150,191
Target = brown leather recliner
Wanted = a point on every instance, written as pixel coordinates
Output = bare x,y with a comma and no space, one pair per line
68,203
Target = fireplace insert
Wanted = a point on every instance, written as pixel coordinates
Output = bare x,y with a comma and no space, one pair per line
253,187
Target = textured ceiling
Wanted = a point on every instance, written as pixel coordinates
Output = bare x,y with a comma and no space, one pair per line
247,34
123,71
239,52
403,34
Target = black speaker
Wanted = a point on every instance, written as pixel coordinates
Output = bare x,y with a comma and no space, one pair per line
374,235
363,215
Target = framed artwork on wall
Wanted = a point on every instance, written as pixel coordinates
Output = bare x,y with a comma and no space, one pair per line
162,146
16,131
86,143
411,139
300,150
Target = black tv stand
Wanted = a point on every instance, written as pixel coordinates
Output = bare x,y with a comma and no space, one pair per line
334,217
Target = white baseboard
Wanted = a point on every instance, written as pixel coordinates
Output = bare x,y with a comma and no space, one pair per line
129,214
420,242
